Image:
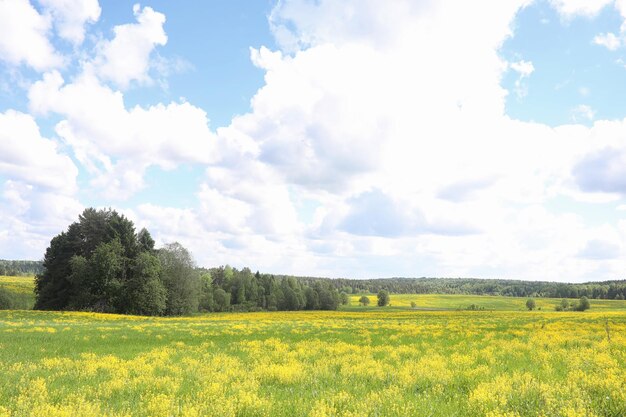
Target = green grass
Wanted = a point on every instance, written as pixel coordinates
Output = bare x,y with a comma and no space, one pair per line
377,362
488,302
20,291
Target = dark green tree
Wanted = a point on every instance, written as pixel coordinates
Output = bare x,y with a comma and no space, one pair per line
530,304
383,298
364,300
144,292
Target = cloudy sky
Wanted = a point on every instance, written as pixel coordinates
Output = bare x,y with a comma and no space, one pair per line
353,138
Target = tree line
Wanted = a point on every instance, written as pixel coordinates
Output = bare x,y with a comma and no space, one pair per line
101,264
20,268
612,290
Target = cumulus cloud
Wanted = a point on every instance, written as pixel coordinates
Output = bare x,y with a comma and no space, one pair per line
38,188
115,143
126,57
24,36
71,16
602,171
28,157
599,249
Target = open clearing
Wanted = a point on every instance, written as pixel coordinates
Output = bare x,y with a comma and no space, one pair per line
374,362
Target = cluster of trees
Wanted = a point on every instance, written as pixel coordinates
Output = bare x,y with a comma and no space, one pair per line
566,305
382,299
20,268
613,290
226,288
101,264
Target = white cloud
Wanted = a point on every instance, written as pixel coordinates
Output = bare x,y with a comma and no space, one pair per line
583,112
608,40
27,157
38,187
24,36
345,111
524,69
71,16
599,249
115,143
126,57
572,8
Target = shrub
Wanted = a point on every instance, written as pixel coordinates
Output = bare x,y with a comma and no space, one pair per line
5,300
383,298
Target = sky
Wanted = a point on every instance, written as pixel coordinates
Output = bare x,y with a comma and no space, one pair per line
339,138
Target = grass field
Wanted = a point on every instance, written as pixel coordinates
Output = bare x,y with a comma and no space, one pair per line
375,362
20,289
488,302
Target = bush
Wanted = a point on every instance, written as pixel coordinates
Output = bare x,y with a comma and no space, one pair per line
583,304
364,300
5,300
383,298
530,304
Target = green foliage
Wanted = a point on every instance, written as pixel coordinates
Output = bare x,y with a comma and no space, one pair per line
145,292
344,299
364,300
530,304
181,279
100,264
383,298
5,300
221,300
583,304
413,304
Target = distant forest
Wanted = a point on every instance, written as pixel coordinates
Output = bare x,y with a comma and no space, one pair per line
20,268
612,290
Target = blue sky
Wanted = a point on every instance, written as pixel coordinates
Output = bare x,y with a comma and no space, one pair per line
336,138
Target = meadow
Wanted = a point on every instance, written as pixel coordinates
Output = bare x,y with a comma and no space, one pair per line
20,290
367,362
486,302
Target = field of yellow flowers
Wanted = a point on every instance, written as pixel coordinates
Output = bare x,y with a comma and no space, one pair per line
347,363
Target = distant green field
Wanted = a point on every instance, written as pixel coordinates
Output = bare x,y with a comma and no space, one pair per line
488,302
20,291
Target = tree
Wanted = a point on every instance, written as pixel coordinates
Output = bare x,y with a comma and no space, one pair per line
383,298
145,293
530,304
207,302
343,298
145,241
221,299
180,278
364,300
413,304
583,304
